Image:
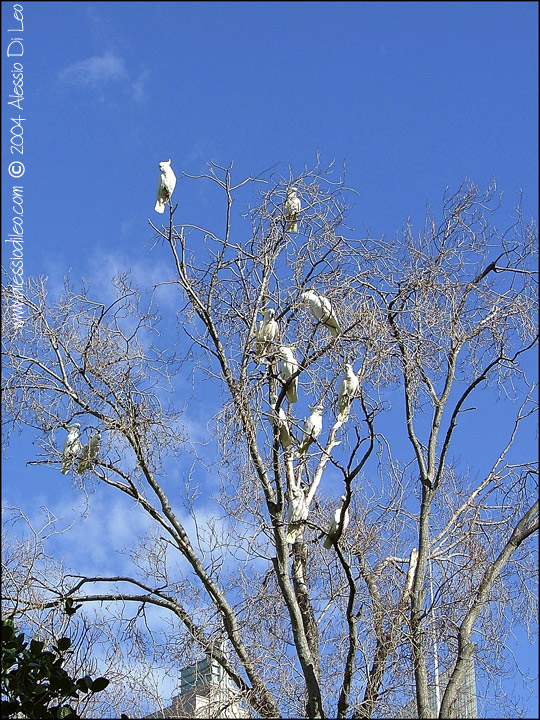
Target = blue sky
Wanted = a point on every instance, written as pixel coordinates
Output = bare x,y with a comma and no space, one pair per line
412,96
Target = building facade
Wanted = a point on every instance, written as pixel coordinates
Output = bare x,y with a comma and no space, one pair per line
206,691
465,706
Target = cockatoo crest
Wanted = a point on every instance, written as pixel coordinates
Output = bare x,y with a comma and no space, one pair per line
166,185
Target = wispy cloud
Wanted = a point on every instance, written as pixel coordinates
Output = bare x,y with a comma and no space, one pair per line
100,70
95,70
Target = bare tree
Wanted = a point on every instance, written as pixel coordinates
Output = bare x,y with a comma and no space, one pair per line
431,322
97,642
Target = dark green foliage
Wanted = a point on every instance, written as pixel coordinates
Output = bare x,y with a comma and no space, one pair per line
69,608
34,682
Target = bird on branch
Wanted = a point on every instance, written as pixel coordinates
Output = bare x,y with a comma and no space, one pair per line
312,429
280,421
322,310
288,365
331,535
348,388
267,332
298,511
72,447
166,185
89,453
292,209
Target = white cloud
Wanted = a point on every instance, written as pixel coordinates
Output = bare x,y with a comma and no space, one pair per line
98,70
95,70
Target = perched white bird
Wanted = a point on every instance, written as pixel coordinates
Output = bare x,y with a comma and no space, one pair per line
89,453
292,208
298,511
166,185
347,390
266,333
321,307
334,525
72,447
280,421
288,365
312,429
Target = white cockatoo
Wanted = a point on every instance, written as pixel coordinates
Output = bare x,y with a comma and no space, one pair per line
288,365
166,185
292,208
72,447
298,511
347,390
312,429
89,453
266,333
334,525
321,307
280,421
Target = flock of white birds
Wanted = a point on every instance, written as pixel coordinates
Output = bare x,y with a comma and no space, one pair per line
288,370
